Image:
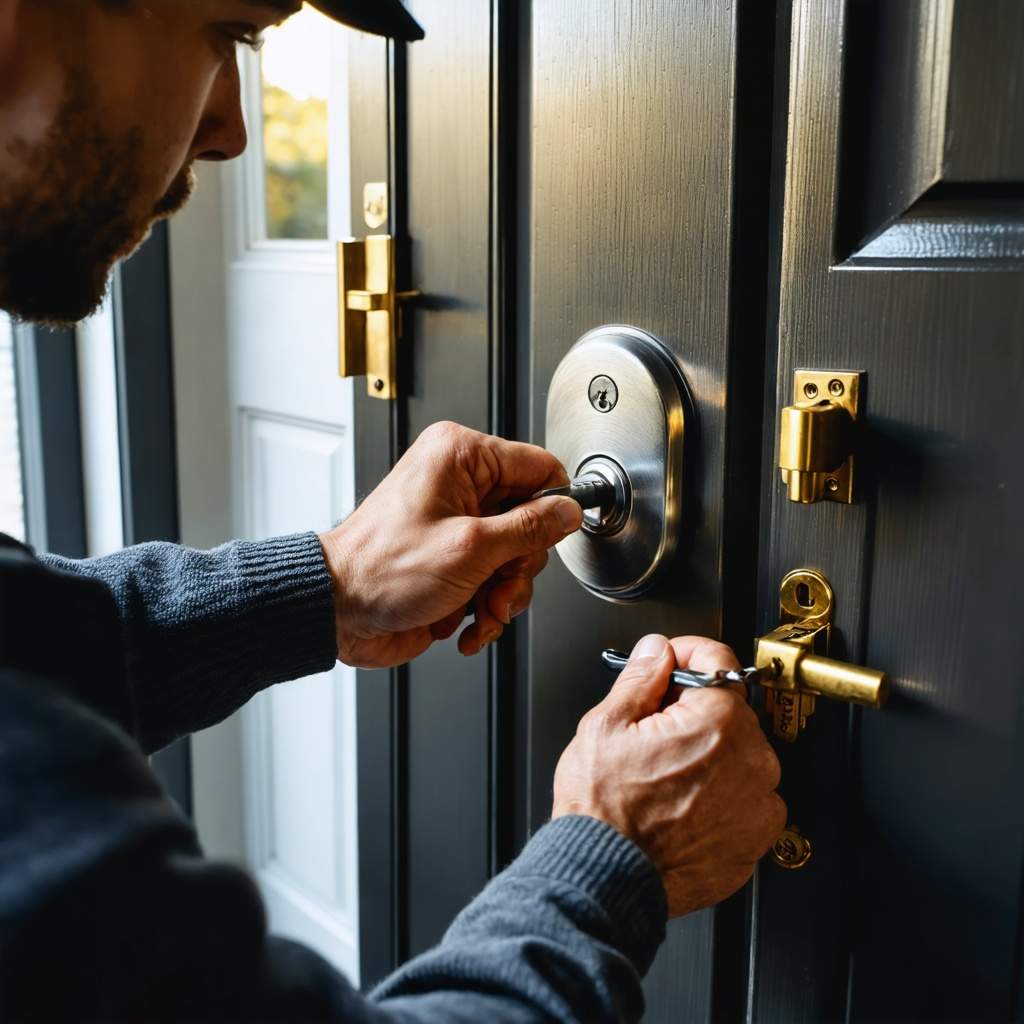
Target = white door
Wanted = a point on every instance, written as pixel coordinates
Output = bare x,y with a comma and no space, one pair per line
265,448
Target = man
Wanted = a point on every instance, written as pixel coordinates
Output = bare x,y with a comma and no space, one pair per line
107,909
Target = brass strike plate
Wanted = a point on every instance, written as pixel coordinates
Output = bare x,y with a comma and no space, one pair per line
369,314
816,456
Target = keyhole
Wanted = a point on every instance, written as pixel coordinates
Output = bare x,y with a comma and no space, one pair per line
602,399
803,596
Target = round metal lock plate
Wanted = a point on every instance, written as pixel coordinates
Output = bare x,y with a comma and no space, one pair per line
616,406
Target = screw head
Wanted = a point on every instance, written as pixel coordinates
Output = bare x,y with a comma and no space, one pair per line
603,393
832,484
378,384
835,387
792,849
811,389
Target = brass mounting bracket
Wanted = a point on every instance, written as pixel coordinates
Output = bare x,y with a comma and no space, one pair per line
369,313
816,436
796,649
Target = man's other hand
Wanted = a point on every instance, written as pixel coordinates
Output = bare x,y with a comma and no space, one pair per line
691,784
431,545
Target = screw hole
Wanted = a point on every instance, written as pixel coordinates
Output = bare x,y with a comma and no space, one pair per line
804,598
811,389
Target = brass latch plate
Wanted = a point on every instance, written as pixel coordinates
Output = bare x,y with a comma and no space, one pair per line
369,314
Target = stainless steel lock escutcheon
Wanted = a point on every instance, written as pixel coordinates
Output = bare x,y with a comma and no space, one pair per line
617,409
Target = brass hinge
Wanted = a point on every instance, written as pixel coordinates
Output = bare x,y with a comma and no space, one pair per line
369,313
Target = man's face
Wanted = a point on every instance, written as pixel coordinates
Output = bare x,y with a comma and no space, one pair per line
104,107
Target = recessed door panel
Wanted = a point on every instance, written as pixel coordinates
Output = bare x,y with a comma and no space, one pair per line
908,910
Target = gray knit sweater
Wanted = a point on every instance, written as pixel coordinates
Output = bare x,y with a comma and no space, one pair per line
108,910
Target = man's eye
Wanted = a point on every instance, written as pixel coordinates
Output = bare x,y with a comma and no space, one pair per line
244,35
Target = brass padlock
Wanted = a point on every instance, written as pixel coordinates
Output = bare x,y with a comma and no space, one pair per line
801,673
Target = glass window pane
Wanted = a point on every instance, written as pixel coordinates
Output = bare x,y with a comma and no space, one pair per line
12,512
296,76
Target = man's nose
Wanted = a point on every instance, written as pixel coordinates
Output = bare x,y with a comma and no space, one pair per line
221,133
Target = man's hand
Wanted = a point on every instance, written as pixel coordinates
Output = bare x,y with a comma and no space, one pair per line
692,785
431,544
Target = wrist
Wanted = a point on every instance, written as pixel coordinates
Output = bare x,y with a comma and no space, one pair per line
338,558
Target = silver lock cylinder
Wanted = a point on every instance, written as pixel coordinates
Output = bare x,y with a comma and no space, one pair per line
616,411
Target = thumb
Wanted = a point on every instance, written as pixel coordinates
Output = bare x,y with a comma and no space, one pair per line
528,529
641,687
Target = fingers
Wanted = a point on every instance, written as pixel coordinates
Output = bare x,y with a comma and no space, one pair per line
446,627
523,468
528,530
483,630
702,654
639,690
528,566
509,598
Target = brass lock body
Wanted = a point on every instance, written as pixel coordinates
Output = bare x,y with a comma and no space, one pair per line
616,411
802,671
816,436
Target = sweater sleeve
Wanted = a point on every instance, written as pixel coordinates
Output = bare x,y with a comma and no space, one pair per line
566,933
108,911
206,630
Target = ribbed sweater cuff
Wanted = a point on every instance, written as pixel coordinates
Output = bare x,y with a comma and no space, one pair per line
284,588
259,613
612,870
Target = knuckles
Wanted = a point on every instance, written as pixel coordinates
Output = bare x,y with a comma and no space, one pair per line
442,433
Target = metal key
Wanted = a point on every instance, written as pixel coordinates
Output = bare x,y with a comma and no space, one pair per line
687,678
586,491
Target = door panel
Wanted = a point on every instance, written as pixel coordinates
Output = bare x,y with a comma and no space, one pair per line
449,215
266,446
631,199
909,908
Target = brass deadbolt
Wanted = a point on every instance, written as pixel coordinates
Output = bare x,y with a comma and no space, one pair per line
797,650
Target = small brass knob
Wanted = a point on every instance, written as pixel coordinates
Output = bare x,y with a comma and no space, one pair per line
792,849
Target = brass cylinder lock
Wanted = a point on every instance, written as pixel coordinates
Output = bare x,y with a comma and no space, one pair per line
797,652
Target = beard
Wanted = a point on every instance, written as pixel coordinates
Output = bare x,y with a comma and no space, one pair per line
74,214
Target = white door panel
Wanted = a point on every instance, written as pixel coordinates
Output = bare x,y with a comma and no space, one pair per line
275,786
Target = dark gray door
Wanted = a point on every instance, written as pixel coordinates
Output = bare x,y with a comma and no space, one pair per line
646,209
902,256
833,184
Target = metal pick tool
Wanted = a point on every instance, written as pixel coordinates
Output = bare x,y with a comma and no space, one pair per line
686,678
586,491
